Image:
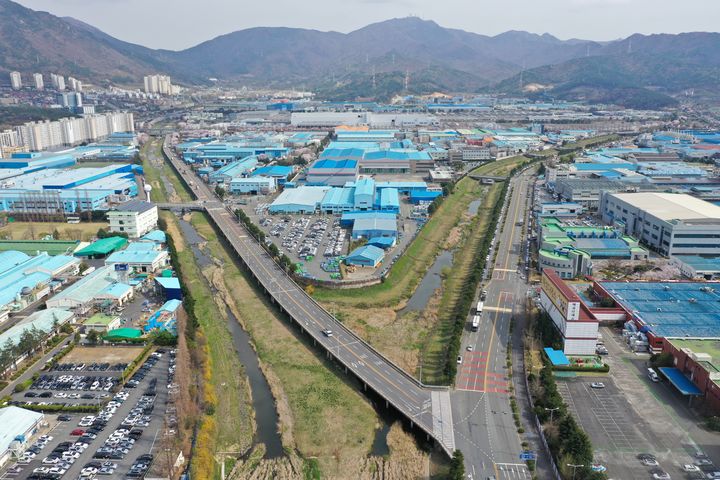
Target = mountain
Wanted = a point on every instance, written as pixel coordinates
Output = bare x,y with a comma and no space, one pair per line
641,71
377,61
33,41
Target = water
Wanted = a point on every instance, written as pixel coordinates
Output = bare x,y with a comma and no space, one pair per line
474,206
266,417
380,446
430,282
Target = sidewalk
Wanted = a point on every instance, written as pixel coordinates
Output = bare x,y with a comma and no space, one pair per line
36,367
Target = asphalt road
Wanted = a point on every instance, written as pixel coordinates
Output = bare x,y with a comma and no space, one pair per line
483,422
429,408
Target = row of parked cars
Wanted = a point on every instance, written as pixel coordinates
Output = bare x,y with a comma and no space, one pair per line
74,382
57,462
92,367
144,369
336,241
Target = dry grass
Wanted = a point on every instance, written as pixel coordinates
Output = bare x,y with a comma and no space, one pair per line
102,354
320,413
84,231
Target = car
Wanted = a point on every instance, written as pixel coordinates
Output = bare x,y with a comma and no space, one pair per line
597,385
650,462
469,348
459,359
690,468
713,475
77,432
64,418
703,462
660,475
327,332
596,467
30,395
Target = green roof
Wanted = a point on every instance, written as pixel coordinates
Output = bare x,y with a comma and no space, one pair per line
103,246
31,247
99,319
121,333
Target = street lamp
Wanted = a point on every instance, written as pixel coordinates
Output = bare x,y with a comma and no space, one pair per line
574,467
552,410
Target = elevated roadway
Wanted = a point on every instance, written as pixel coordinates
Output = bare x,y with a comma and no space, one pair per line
427,408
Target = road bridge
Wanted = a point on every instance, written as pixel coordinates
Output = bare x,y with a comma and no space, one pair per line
425,407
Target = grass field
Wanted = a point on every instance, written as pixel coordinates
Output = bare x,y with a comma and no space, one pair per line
321,414
160,171
83,231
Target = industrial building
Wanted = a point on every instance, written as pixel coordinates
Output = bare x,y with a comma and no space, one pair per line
219,153
299,200
253,185
165,318
139,257
698,267
571,317
46,321
366,256
102,248
671,224
280,173
25,279
570,249
17,427
94,289
696,372
374,227
587,192
562,209
135,218
101,323
334,173
233,169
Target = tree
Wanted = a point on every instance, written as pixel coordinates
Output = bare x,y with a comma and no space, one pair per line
220,191
92,337
56,234
274,250
165,339
457,466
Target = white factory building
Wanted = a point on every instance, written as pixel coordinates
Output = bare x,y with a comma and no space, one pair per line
670,223
136,218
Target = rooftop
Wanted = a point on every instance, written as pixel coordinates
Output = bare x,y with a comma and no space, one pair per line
671,206
139,206
103,246
671,309
99,319
15,421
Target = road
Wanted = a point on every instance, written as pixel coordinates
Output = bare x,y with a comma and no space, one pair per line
484,427
428,408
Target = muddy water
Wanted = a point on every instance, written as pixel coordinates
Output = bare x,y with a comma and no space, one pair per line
266,417
430,282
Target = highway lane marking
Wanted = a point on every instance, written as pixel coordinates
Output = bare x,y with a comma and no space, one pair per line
505,270
498,309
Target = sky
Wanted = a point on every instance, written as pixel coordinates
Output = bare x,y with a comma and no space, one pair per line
179,24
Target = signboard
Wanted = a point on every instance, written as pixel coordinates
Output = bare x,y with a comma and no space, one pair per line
570,310
121,267
528,455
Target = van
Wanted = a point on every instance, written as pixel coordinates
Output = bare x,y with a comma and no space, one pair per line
652,375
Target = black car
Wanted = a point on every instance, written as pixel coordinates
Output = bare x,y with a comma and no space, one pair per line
64,418
30,394
45,395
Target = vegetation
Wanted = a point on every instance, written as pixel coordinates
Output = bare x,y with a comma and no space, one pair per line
84,231
31,340
321,415
16,115
457,466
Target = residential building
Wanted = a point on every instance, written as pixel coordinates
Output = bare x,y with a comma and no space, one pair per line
136,218
38,81
15,80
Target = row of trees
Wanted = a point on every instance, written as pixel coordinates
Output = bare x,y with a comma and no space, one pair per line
31,340
285,262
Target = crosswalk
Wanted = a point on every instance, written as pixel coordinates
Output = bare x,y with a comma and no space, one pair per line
442,418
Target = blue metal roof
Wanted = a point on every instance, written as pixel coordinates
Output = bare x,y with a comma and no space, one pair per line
273,171
117,290
157,236
366,253
170,283
365,186
389,198
335,164
680,381
557,357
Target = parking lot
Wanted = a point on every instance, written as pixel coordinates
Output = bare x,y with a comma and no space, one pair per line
120,441
638,427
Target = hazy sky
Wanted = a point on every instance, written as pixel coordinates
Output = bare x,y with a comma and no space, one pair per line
178,24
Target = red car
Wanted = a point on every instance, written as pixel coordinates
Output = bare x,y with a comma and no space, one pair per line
77,432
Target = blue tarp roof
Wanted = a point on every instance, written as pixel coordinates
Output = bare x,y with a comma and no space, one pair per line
680,381
557,357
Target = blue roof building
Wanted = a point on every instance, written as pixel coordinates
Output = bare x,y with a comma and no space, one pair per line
426,196
279,172
141,257
389,200
374,227
170,287
332,172
348,219
382,242
364,194
157,236
366,256
338,200
234,169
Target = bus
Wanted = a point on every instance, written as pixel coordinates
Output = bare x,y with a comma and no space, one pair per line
475,323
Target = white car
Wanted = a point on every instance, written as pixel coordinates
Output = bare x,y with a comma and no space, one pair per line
650,462
597,385
690,468
713,475
661,476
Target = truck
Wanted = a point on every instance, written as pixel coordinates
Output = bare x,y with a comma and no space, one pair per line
479,308
475,323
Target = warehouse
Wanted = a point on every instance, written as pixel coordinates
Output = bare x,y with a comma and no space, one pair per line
374,227
18,427
587,192
335,173
696,364
279,172
140,257
348,219
698,267
389,200
338,200
101,323
95,287
25,279
426,196
672,224
253,185
364,194
102,248
232,170
299,200
366,256
44,320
